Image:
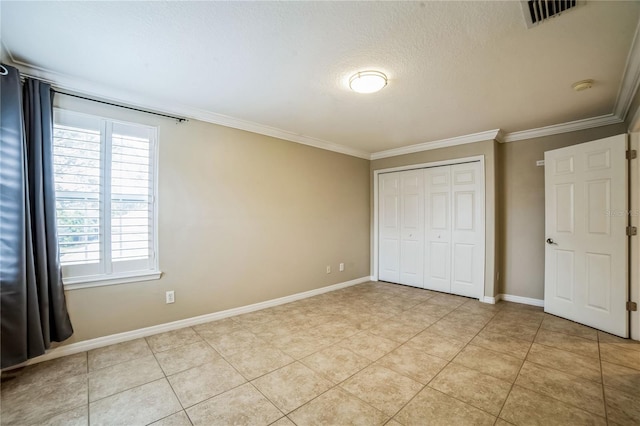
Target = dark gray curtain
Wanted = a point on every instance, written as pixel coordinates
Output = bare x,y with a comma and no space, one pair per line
33,310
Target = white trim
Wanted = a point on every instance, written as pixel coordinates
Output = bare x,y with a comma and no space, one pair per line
442,143
374,230
263,129
432,164
630,78
99,281
520,299
66,83
490,300
634,189
571,126
100,342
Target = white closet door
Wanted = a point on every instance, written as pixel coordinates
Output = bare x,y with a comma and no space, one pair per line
389,227
467,234
437,271
411,227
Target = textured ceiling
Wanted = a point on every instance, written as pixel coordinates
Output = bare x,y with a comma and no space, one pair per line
454,68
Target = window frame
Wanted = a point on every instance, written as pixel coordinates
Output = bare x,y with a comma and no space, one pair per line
107,275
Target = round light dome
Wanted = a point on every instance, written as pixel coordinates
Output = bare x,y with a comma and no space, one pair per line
367,81
581,85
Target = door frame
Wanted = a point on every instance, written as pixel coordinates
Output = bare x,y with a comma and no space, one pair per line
634,246
376,173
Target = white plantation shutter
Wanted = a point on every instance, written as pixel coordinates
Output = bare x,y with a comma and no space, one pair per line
104,175
77,165
131,195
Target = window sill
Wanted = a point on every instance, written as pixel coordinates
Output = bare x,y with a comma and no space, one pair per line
99,281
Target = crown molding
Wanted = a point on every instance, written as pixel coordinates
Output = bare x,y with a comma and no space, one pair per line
263,129
630,78
556,129
442,143
75,85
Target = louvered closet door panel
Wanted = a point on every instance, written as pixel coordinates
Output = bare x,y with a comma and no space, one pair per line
467,247
411,227
389,227
437,206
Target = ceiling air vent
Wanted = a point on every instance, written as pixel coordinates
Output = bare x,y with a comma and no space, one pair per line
538,11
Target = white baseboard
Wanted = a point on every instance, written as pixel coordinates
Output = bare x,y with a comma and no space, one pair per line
520,299
490,300
99,342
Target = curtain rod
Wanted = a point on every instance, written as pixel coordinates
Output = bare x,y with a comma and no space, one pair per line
179,119
3,71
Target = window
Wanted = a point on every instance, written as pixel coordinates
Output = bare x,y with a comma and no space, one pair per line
104,173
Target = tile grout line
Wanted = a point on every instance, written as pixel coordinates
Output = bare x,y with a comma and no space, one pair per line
371,363
300,361
136,386
51,382
454,357
551,368
520,369
321,375
244,327
242,375
88,404
604,394
445,366
337,385
167,379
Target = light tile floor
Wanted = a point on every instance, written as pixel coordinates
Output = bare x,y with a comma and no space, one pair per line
370,354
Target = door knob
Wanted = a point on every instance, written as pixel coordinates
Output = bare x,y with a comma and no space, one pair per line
550,241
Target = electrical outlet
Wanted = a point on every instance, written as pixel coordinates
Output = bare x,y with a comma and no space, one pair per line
170,296
328,269
341,267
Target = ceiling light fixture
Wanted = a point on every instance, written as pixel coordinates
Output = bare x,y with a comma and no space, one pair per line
367,81
582,85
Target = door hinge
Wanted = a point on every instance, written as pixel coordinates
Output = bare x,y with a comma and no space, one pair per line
631,231
632,306
632,154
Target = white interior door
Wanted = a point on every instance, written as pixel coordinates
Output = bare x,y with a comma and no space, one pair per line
437,260
411,227
467,231
586,191
389,227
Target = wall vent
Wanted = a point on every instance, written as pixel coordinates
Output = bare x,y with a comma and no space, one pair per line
538,11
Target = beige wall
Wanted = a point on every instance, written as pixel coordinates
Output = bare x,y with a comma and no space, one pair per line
243,218
521,208
488,150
